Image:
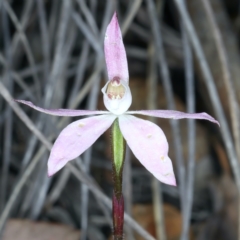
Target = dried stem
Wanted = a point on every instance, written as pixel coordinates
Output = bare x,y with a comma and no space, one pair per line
189,78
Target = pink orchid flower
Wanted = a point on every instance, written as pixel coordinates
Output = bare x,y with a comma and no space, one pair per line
146,140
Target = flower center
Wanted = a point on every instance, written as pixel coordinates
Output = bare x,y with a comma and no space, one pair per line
115,90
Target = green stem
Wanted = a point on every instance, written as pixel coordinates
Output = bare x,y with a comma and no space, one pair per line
118,156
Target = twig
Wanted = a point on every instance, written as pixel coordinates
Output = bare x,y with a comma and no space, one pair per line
53,22
89,17
189,78
131,14
18,79
8,127
58,188
80,72
107,16
45,38
59,52
88,34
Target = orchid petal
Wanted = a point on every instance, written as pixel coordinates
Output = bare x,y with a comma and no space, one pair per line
75,139
175,115
149,145
115,54
62,112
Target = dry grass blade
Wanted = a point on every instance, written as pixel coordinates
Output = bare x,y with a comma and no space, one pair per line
8,126
45,38
189,78
131,14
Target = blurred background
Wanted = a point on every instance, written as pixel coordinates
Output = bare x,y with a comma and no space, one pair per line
182,55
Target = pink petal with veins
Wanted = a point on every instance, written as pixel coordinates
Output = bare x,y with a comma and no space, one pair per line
75,139
175,115
115,54
149,144
62,112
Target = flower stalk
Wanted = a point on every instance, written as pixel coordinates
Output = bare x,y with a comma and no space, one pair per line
118,156
118,217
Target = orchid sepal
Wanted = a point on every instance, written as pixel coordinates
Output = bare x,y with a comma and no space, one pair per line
62,112
172,114
115,54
